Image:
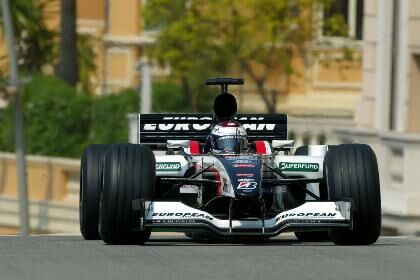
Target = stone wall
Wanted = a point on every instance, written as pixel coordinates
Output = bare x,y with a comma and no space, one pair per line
53,190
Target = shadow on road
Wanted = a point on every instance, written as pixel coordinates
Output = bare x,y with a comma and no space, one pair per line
155,242
180,241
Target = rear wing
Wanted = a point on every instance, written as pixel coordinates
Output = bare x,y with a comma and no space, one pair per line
158,128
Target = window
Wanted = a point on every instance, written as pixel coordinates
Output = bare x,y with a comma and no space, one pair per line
343,18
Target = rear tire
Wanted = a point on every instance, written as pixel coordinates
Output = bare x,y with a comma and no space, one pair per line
352,174
312,236
129,173
90,190
302,151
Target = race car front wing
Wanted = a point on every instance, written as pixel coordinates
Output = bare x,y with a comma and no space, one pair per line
173,216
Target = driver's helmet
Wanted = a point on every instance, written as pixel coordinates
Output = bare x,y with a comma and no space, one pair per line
227,137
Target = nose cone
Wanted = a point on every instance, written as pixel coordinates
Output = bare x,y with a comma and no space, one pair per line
245,175
225,106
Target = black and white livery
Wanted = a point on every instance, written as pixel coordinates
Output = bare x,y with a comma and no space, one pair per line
227,175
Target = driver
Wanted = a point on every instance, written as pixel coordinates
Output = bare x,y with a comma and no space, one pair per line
227,137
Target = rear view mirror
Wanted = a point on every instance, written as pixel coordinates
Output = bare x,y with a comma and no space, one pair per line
177,144
282,144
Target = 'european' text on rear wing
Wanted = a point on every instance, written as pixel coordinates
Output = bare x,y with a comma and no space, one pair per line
158,128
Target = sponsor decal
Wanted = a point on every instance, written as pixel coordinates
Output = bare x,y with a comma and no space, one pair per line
299,166
229,136
188,189
242,157
259,127
141,223
168,166
254,126
242,161
244,175
307,215
225,185
247,184
246,180
172,221
177,125
182,215
243,165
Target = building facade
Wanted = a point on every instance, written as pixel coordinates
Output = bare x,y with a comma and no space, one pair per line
382,91
323,86
387,116
117,27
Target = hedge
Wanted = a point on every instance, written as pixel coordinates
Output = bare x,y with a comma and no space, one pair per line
57,119
61,121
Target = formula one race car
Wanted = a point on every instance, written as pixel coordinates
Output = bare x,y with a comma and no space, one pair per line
227,175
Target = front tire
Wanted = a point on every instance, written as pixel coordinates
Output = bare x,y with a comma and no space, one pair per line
129,173
90,190
351,172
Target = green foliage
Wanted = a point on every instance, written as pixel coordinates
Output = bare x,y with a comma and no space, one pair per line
109,116
37,45
86,61
34,40
259,38
291,135
188,45
6,137
159,13
206,98
307,138
335,26
169,97
322,139
59,121
56,117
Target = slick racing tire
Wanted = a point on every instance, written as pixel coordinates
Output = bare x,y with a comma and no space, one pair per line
302,151
90,190
312,236
351,172
129,173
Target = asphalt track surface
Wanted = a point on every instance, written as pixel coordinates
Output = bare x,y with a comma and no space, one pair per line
176,257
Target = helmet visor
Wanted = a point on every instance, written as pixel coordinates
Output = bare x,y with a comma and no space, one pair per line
230,144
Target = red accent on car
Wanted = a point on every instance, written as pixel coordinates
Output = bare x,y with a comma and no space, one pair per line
229,123
218,178
194,147
260,147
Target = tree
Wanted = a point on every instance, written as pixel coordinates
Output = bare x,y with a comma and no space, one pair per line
186,42
35,43
261,38
57,118
86,62
68,66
